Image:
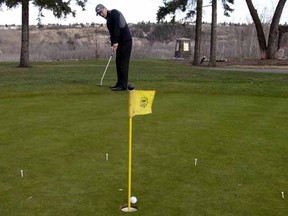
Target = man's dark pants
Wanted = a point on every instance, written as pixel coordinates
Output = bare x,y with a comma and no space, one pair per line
123,54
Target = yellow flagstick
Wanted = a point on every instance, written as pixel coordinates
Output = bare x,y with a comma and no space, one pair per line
130,149
139,103
130,163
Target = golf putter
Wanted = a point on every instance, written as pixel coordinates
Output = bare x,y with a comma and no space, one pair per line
101,81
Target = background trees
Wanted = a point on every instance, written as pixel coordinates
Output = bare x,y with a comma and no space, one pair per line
267,33
267,50
171,7
60,9
197,48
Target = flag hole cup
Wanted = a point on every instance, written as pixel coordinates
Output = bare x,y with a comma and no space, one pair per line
132,208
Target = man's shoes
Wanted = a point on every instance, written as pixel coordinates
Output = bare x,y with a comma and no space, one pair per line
115,86
119,88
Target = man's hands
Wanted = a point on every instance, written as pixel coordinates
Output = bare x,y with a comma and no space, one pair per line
114,47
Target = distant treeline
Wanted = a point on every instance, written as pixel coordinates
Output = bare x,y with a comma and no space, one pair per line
151,40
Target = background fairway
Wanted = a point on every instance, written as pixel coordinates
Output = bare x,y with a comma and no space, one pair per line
57,126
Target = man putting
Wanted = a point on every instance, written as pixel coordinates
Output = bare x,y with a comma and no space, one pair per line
121,43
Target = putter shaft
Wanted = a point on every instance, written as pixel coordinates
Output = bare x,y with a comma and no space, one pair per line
101,81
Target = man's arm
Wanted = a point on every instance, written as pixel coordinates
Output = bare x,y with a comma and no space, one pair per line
115,20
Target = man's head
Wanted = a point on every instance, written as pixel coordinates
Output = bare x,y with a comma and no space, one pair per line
101,10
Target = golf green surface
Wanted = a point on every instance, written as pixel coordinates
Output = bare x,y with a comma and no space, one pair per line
57,126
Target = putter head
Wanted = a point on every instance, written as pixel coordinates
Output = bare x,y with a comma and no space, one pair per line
99,84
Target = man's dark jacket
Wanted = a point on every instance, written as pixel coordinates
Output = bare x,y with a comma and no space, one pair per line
118,28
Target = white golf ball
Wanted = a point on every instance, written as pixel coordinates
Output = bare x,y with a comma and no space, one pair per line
133,200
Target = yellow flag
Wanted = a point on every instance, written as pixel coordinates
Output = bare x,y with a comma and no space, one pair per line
140,102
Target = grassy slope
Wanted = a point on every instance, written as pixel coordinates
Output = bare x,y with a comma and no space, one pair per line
57,126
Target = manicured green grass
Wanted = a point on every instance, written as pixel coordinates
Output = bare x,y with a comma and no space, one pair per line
57,126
